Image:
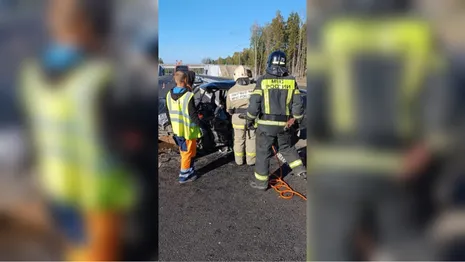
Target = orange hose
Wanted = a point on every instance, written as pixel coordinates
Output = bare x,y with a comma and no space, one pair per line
279,185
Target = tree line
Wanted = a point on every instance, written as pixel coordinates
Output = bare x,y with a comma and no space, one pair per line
288,35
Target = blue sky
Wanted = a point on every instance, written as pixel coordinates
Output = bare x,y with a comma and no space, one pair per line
190,30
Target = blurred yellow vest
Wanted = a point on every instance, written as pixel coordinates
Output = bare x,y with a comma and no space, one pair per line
73,166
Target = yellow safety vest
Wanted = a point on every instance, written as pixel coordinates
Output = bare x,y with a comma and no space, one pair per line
73,166
179,116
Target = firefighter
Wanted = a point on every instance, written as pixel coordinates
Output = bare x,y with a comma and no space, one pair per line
374,78
274,103
185,123
237,102
64,94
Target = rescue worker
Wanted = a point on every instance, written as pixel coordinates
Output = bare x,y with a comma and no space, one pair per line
65,95
275,101
374,77
190,79
185,123
237,102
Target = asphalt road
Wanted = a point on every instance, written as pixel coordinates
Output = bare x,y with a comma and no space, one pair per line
220,218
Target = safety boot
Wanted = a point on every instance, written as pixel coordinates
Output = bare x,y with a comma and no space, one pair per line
182,179
260,185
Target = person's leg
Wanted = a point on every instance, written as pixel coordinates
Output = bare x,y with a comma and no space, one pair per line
103,237
239,146
290,153
91,235
188,151
142,243
192,151
250,151
264,153
395,219
70,223
335,207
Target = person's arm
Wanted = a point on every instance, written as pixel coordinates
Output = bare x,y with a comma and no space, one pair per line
22,105
318,78
436,118
167,112
297,107
193,113
229,107
255,102
110,119
317,87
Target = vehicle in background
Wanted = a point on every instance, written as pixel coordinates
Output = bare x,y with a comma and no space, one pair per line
183,68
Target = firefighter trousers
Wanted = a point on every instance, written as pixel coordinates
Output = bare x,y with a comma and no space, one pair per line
244,146
340,202
264,143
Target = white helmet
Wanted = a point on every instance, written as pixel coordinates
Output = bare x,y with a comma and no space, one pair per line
240,72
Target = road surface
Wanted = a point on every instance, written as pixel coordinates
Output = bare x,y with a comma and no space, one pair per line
219,217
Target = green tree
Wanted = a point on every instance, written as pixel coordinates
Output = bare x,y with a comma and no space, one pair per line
160,61
302,50
292,38
207,60
277,32
288,35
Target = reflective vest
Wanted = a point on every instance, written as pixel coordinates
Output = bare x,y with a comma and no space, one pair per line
179,116
72,164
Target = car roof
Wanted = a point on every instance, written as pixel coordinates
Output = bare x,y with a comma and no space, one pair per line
221,85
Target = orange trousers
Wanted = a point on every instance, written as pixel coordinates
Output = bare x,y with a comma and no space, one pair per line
188,154
103,232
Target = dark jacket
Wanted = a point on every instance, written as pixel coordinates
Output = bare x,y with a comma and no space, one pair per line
277,100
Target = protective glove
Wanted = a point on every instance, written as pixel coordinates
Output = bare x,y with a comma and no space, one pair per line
250,124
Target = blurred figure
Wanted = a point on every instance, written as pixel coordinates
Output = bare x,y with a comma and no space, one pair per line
377,114
237,102
447,226
190,79
275,103
134,138
185,123
66,98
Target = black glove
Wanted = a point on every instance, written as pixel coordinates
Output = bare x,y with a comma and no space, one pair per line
250,124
